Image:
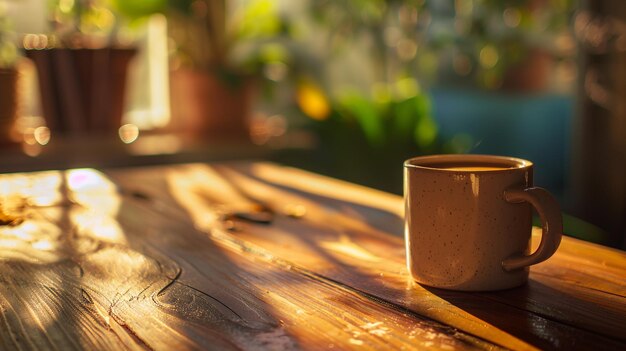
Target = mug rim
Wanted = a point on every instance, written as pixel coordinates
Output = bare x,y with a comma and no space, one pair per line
514,163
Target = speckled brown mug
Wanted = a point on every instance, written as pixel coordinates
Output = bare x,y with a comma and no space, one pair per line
468,221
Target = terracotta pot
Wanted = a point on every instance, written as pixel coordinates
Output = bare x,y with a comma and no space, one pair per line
209,105
531,74
8,104
82,90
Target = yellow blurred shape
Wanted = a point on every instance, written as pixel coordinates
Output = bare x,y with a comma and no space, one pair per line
66,6
489,56
312,101
407,87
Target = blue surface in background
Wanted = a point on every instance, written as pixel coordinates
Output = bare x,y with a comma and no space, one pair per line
533,127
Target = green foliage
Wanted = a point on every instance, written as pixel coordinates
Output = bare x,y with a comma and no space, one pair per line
134,9
366,142
258,20
365,113
406,121
395,116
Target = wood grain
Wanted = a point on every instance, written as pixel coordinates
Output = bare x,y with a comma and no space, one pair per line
351,236
94,265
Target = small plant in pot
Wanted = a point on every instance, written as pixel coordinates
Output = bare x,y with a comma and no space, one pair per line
81,69
517,46
212,92
8,82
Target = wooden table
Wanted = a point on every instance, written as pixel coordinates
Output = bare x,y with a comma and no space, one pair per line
163,258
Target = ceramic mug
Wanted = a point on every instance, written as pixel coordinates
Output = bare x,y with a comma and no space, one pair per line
468,221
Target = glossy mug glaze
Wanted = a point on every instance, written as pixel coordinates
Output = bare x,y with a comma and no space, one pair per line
468,221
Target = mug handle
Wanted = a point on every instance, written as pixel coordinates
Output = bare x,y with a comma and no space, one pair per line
551,223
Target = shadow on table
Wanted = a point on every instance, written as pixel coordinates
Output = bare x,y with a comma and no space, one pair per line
376,217
545,317
531,313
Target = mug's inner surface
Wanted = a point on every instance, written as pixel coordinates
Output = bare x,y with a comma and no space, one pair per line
467,162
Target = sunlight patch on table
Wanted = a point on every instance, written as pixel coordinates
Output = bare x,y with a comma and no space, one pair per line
346,247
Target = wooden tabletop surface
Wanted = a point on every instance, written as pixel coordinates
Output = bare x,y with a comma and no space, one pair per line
255,256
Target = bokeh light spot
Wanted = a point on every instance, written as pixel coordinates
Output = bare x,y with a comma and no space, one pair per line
512,17
128,133
313,102
489,56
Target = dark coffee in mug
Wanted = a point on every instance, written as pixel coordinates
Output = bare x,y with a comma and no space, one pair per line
469,166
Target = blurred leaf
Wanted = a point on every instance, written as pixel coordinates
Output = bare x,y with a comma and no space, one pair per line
407,87
381,93
366,113
274,52
426,129
426,132
405,115
134,9
259,19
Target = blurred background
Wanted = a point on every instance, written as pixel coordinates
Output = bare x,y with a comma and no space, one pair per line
346,88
